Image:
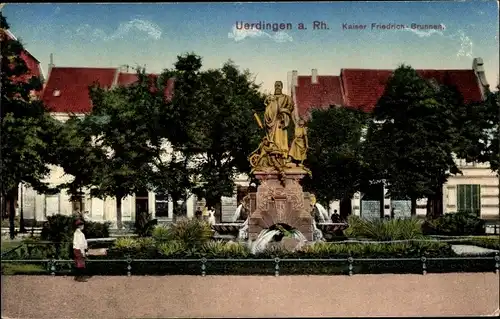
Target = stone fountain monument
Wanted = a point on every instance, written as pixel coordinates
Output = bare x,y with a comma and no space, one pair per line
279,204
279,167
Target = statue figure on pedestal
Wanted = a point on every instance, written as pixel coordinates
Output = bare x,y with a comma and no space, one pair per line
300,144
274,152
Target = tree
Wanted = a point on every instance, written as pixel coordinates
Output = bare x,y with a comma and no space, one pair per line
334,156
122,123
210,119
414,144
477,124
78,156
27,130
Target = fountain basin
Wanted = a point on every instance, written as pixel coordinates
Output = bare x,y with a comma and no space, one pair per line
227,228
331,227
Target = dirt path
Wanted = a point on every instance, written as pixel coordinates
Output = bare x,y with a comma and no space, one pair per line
251,296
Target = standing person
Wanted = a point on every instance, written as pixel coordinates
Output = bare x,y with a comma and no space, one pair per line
205,214
335,217
211,213
79,251
198,214
211,218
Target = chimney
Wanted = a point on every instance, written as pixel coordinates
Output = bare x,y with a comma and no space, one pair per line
478,67
51,62
295,78
289,82
314,76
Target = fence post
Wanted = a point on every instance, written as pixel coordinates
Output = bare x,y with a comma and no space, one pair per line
129,266
53,267
203,266
497,262
424,266
276,267
350,260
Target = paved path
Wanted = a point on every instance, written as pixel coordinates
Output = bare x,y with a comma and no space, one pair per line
250,296
470,250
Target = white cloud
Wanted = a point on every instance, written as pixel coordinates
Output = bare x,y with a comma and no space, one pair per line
465,45
145,27
464,41
424,33
239,35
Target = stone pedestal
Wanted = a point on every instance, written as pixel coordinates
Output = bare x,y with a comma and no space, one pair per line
280,203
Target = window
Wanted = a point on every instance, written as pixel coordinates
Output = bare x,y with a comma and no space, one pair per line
469,198
161,204
77,204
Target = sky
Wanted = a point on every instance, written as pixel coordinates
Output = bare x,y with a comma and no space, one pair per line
153,35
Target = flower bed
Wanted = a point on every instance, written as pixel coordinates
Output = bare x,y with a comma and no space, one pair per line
186,248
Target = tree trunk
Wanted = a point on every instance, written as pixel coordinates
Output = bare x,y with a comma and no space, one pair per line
218,212
119,223
11,199
413,207
435,204
176,209
345,207
22,229
3,206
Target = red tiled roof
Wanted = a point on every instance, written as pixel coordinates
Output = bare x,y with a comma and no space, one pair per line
72,86
325,92
363,87
125,79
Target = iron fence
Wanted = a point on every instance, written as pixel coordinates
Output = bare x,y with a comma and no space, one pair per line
204,263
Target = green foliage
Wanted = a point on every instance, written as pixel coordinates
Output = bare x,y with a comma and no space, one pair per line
210,119
23,269
334,156
455,224
411,249
412,148
60,228
124,119
161,234
193,233
78,155
220,249
28,131
490,242
126,243
478,126
172,248
384,230
144,224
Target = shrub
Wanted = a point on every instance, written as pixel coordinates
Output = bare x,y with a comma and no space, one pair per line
171,248
96,230
394,250
161,234
60,228
126,243
220,249
144,224
384,230
193,233
455,224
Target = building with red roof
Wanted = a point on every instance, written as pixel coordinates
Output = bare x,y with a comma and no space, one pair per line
362,88
476,189
66,90
34,68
